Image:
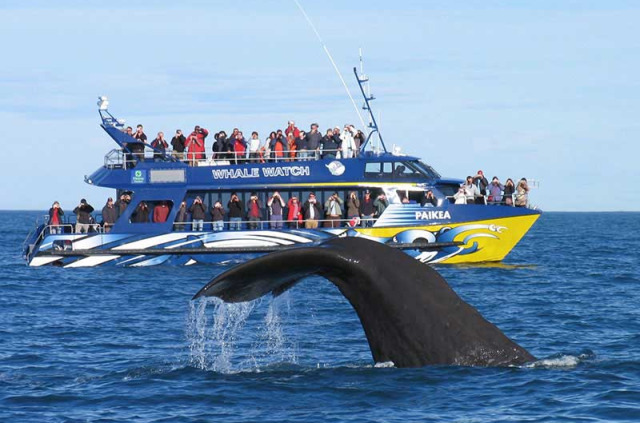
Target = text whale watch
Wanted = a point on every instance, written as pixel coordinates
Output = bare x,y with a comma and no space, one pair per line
239,199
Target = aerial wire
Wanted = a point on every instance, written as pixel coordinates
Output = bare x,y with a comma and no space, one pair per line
326,50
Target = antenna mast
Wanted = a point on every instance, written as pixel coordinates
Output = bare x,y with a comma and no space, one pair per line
365,89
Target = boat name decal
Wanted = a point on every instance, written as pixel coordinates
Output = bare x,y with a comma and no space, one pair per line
267,172
432,215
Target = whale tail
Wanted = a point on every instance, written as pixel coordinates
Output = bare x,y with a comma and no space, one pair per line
409,313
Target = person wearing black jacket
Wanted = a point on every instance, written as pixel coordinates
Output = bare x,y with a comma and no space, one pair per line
367,210
481,182
109,215
141,213
217,216
236,212
218,146
429,199
178,143
313,139
329,146
198,214
311,212
160,145
83,216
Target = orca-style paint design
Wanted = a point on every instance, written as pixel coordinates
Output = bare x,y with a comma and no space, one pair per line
409,313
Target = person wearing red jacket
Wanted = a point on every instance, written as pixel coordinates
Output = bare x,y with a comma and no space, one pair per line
292,129
160,212
294,215
195,144
239,148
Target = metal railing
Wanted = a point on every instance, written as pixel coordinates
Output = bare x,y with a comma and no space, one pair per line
120,159
269,224
263,156
485,200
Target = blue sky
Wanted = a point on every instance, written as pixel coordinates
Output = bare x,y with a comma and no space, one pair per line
546,89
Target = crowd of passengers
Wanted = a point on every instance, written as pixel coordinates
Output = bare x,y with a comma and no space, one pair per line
477,190
290,144
279,211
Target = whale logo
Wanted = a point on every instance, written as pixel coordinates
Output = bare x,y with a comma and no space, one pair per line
336,168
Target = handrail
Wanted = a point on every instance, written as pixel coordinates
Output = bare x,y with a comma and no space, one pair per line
119,158
265,224
500,201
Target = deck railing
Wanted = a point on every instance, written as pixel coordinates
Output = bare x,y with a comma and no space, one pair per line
120,159
270,224
484,199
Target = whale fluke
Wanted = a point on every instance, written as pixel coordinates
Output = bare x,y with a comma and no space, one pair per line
409,313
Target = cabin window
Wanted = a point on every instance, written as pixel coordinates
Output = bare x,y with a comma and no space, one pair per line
405,170
410,197
426,169
387,168
372,170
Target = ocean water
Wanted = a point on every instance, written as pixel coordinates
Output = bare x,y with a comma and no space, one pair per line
122,345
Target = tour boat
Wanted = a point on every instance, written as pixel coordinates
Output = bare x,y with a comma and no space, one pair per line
440,233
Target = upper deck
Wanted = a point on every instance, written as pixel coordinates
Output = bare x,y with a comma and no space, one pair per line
154,169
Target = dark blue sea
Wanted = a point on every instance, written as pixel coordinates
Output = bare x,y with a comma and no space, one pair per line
128,345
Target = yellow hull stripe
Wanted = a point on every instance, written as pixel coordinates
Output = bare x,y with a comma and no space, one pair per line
489,249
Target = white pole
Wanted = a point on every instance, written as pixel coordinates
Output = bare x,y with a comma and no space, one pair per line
355,106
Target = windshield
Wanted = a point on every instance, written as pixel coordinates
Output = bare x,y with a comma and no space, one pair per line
426,169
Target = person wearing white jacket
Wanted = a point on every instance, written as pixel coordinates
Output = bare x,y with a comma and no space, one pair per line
348,143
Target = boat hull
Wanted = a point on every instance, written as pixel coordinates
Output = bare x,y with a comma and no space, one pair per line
473,241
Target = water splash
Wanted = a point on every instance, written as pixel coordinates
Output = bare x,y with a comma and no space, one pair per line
232,338
273,345
567,361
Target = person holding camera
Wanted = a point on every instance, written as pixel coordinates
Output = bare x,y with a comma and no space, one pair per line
195,144
137,148
122,203
495,191
522,193
471,190
294,213
217,216
311,211
482,183
55,218
178,143
429,199
275,205
353,206
236,210
141,213
198,213
83,216
460,197
509,190
181,217
348,144
333,208
328,146
381,204
254,211
160,145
